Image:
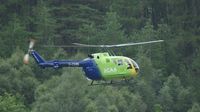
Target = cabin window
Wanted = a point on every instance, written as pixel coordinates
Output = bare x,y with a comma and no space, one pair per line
107,60
114,61
120,62
128,64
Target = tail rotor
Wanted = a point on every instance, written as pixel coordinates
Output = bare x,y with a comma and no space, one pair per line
31,45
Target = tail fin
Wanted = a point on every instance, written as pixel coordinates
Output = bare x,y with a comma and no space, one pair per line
37,57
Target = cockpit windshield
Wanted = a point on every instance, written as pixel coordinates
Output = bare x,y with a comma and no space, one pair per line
134,64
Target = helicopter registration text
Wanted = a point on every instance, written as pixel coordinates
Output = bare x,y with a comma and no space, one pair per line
110,70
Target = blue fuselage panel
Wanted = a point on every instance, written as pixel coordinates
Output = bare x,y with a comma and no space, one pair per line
91,70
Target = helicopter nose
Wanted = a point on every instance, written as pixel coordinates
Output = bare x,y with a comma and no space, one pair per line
137,70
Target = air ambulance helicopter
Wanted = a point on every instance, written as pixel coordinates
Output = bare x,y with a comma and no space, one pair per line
97,66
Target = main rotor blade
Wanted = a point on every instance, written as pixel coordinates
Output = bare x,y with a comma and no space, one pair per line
118,45
104,46
60,46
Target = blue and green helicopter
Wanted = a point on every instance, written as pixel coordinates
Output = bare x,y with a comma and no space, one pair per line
97,66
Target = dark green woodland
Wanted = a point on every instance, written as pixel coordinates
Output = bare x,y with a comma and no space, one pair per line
169,78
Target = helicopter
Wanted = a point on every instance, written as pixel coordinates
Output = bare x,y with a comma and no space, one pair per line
97,66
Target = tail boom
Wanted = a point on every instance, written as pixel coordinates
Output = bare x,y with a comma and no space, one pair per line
37,57
60,64
54,63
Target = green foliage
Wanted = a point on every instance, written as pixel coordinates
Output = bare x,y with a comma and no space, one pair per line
157,108
60,94
55,95
12,35
195,108
45,23
17,78
131,14
100,22
110,32
173,96
9,103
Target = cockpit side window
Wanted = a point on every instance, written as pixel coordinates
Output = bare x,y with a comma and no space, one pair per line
119,62
129,64
114,61
135,64
107,60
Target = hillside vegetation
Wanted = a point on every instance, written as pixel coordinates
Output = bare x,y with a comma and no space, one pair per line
169,79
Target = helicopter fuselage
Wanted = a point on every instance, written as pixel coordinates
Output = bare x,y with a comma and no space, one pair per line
98,66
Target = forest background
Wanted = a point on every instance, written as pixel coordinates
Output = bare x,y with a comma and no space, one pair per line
169,80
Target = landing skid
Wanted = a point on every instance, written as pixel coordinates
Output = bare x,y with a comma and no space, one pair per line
111,82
